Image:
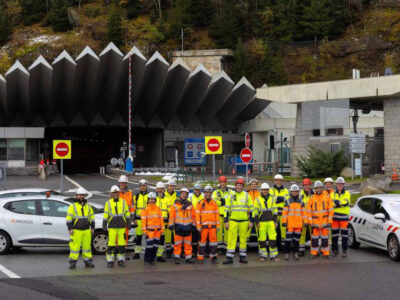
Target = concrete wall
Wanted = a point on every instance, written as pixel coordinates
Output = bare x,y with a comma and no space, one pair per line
391,108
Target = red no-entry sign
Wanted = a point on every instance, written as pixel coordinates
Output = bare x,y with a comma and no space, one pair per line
62,149
213,145
246,155
247,140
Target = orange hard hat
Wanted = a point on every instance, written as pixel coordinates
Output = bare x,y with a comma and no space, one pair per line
306,181
240,180
222,178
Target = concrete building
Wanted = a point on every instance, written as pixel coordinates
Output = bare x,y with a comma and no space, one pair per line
86,100
378,97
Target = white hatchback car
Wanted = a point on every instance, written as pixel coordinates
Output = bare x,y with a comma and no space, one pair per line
375,221
39,221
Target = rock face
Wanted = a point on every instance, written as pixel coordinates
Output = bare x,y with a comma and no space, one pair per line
347,172
370,190
377,184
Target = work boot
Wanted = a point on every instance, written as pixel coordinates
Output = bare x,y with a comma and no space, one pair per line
168,254
301,254
177,260
190,261
200,261
327,256
161,259
262,259
136,256
214,260
110,264
221,252
89,264
228,261
296,256
312,256
72,264
243,260
152,263
344,254
121,263
335,252
275,259
286,256
127,257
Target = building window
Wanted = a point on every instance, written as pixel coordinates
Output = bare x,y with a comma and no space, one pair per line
335,147
3,149
32,150
16,149
333,131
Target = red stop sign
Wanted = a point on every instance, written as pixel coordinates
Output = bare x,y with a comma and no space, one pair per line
246,155
247,140
62,149
213,145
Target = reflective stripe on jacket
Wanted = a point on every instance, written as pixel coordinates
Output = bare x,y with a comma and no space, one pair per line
238,207
320,211
280,194
80,216
116,213
128,197
207,214
294,213
265,208
341,212
152,219
218,195
140,203
182,215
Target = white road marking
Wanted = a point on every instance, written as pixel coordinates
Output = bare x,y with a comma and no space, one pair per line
8,273
78,186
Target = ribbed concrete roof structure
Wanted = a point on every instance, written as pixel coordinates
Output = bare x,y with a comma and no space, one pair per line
92,90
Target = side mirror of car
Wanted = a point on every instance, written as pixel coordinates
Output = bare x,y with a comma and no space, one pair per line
380,216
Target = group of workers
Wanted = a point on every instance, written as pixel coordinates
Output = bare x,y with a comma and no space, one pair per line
210,222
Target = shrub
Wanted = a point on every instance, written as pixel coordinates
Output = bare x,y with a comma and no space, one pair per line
92,11
319,164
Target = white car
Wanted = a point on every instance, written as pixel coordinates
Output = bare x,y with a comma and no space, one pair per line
375,221
39,221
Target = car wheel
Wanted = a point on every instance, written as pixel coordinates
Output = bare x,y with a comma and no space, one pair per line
393,247
99,242
353,244
5,242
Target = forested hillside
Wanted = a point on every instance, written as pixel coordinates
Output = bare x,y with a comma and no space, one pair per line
275,41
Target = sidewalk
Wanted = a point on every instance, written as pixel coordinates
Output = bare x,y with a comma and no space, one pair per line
52,182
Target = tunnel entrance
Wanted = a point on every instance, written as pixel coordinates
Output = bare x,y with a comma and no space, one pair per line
93,147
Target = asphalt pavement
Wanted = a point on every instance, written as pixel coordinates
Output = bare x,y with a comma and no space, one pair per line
42,273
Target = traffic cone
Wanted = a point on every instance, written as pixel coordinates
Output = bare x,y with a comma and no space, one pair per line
220,171
395,177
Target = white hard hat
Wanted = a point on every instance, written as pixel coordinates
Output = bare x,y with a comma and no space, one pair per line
123,178
318,184
253,180
172,181
294,188
197,186
340,180
160,185
152,195
208,188
328,179
114,189
278,176
142,182
81,191
265,186
184,190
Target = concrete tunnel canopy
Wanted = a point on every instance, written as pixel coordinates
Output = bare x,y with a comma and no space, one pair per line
92,90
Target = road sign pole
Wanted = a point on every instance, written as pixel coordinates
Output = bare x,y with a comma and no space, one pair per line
361,166
352,166
213,168
281,152
61,175
247,173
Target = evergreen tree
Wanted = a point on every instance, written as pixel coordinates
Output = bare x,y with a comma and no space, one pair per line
58,19
179,17
317,19
201,12
115,32
225,27
287,14
133,8
33,11
5,26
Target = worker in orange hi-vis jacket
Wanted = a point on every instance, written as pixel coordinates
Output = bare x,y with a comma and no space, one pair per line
207,223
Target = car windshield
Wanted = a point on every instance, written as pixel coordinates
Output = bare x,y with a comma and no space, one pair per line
95,210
